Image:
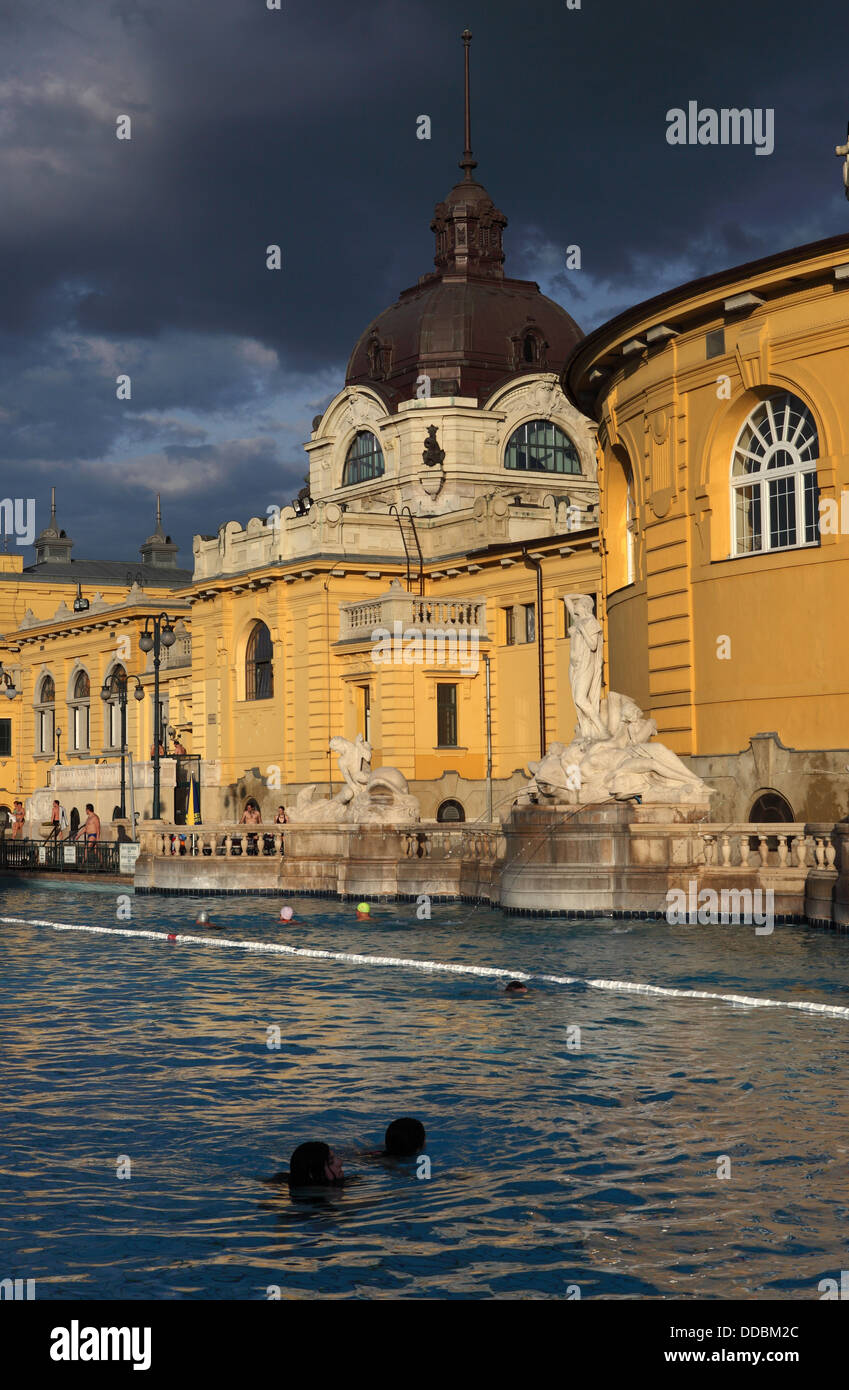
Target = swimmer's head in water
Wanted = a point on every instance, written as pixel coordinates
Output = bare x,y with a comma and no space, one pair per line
515,987
202,919
363,909
404,1138
286,914
314,1165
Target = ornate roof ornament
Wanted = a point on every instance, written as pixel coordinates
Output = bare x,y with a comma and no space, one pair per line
843,152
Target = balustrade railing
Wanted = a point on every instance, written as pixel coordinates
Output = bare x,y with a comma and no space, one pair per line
263,841
439,614
763,846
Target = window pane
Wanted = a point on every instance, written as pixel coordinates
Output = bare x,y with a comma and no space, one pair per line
541,447
5,738
747,507
812,499
782,511
446,716
364,461
259,678
530,622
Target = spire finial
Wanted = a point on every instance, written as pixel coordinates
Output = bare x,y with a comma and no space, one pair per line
468,162
52,506
158,510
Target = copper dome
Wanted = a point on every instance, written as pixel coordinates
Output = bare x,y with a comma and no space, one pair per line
465,326
466,333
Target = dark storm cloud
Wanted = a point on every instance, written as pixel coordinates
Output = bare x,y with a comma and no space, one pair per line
297,127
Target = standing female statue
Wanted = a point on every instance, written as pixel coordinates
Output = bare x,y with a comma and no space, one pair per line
585,663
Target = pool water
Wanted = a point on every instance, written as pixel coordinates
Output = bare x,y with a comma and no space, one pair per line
554,1170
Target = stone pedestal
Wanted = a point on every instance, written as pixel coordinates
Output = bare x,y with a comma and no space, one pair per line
618,857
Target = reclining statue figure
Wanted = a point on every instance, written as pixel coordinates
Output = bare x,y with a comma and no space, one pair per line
380,796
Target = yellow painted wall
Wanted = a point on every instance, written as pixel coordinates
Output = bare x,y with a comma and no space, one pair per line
677,414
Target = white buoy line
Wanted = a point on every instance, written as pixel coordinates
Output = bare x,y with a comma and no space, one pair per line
446,967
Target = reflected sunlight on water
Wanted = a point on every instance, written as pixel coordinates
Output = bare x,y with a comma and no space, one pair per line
550,1166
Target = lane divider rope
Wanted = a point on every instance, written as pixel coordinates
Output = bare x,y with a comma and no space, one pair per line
446,967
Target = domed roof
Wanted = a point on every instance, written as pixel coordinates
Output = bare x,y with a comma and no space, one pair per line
466,333
465,326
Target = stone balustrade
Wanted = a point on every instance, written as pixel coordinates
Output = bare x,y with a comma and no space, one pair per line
765,845
424,841
359,620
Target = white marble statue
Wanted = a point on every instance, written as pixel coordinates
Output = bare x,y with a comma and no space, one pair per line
611,755
585,663
378,796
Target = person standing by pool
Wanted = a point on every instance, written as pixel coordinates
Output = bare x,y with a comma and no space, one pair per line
18,816
90,828
58,821
251,816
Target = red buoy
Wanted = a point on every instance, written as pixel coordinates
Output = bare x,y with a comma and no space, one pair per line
172,938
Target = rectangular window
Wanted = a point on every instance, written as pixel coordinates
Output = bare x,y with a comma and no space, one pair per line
715,343
747,502
446,716
365,712
782,511
811,496
530,622
5,738
510,626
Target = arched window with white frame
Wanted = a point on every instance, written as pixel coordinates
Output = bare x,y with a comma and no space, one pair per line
80,712
112,709
774,491
45,715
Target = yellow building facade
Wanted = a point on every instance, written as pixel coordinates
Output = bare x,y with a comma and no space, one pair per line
724,454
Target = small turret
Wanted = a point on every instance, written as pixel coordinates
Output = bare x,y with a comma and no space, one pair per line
53,544
159,549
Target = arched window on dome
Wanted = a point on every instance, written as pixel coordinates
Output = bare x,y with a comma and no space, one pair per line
774,491
364,460
259,673
451,811
45,715
541,447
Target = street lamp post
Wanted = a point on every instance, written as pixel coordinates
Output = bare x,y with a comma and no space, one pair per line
57,741
158,632
115,690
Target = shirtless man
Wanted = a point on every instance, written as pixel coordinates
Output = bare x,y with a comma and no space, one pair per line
252,816
90,828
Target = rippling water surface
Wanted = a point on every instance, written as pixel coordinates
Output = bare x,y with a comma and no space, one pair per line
551,1167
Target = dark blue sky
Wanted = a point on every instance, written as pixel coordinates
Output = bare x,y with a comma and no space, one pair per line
298,126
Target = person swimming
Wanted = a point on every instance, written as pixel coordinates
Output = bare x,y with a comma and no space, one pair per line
404,1138
287,914
515,987
313,1164
203,919
363,912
